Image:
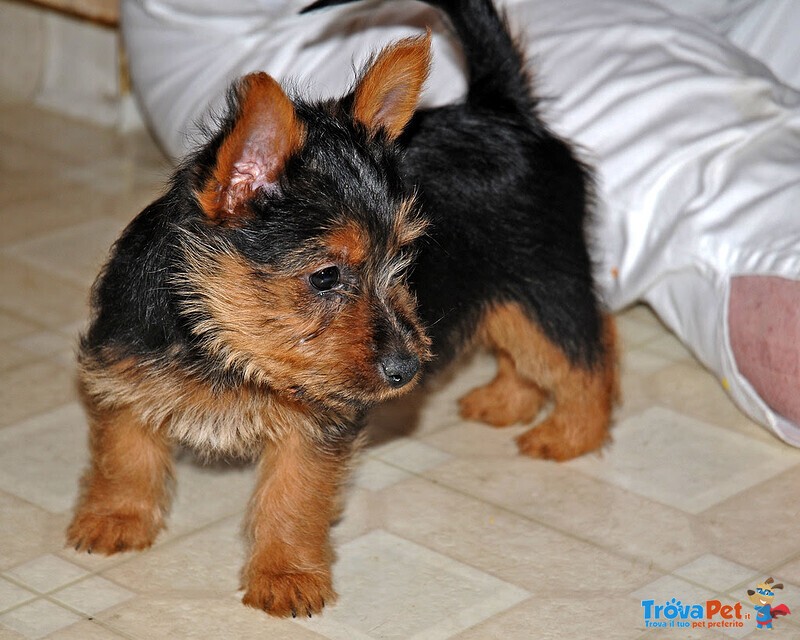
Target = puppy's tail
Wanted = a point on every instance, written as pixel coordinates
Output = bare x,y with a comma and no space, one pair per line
498,77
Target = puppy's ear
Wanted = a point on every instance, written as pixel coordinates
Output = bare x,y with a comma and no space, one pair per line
252,156
388,91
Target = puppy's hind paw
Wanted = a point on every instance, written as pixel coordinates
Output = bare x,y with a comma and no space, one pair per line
552,440
502,405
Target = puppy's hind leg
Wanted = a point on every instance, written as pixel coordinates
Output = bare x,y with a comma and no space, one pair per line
583,395
508,399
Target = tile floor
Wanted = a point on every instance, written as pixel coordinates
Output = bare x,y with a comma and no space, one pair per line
447,533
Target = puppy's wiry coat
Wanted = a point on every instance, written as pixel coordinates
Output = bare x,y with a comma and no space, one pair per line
312,259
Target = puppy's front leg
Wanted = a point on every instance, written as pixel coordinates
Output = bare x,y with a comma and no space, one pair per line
125,490
296,499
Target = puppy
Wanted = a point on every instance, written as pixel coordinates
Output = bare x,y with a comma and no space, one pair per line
312,259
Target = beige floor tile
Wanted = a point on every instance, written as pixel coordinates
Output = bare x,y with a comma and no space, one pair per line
381,578
92,562
614,519
510,547
45,573
638,325
51,133
207,493
778,632
362,513
26,172
790,571
634,398
43,213
50,344
127,205
638,362
76,253
666,588
208,561
691,634
697,393
678,461
758,527
715,573
410,454
55,442
374,475
13,327
30,389
38,619
12,356
92,595
40,296
10,634
26,531
667,345
201,617
85,630
556,617
12,595
466,439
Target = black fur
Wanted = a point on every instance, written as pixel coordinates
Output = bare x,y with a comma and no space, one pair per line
508,199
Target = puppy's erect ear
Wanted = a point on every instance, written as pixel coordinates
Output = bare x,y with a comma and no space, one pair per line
388,91
252,156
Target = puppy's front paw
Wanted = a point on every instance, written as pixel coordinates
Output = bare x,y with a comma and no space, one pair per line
112,532
289,594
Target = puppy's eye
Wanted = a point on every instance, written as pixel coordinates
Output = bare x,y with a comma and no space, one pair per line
325,279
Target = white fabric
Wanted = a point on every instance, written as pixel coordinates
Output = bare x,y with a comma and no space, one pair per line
695,139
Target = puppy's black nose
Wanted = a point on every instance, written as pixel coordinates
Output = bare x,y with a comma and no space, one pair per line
399,368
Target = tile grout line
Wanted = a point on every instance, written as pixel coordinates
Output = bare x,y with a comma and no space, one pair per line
569,534
546,525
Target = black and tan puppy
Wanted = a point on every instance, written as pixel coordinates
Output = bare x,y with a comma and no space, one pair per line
314,259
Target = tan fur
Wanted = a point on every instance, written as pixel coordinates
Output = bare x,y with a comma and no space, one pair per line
583,397
172,401
407,226
271,327
124,493
506,400
387,94
349,243
290,514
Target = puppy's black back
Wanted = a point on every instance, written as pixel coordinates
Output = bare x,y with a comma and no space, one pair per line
508,198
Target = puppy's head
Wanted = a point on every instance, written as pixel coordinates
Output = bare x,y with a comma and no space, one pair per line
295,265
